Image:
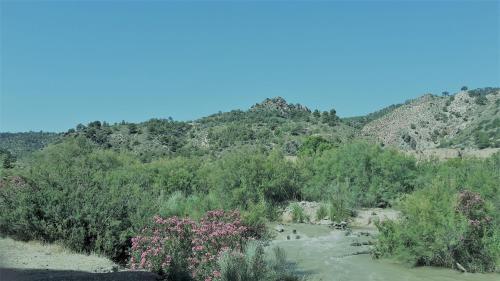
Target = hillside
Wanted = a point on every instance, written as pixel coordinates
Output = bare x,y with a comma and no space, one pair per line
21,144
271,123
468,119
465,120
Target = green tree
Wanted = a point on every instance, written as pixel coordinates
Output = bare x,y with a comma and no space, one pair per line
7,160
132,128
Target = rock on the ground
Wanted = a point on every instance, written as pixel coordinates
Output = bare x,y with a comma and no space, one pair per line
279,228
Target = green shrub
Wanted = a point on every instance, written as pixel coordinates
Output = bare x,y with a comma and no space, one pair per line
255,219
375,176
340,204
482,140
255,265
298,214
441,227
322,212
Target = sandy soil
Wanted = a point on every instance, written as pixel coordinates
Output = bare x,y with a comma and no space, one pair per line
35,261
367,217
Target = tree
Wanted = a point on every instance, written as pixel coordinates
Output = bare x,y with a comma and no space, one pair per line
464,88
315,144
95,124
132,128
7,159
80,127
330,118
445,93
316,113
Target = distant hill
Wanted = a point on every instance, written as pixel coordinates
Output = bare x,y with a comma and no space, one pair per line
468,119
465,120
21,144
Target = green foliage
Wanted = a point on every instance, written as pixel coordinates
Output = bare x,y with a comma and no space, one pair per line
430,226
93,191
248,176
340,203
483,91
315,144
7,160
23,144
322,212
298,214
68,199
255,218
330,117
255,265
93,199
375,176
133,129
482,140
443,224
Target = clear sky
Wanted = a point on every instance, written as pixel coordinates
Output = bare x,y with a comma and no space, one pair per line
70,62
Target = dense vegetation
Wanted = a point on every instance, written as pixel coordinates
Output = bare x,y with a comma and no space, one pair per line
272,123
452,220
22,144
96,199
100,185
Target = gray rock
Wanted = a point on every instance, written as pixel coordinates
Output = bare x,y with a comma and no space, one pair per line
279,228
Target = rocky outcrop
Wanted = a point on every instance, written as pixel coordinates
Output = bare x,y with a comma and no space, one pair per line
280,105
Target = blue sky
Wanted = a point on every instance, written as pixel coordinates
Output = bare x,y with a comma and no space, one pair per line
70,62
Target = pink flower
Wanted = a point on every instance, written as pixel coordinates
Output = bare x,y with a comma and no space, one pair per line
199,243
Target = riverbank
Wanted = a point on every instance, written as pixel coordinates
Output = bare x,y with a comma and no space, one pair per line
324,254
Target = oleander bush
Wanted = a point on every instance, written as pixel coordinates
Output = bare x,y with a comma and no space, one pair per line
175,247
218,247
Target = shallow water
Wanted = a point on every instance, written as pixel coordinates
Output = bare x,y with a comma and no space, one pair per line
325,254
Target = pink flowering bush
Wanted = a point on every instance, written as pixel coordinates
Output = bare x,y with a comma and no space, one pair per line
175,246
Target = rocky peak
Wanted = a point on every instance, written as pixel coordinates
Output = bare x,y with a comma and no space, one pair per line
279,104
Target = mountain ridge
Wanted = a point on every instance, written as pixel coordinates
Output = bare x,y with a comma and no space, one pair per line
465,120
